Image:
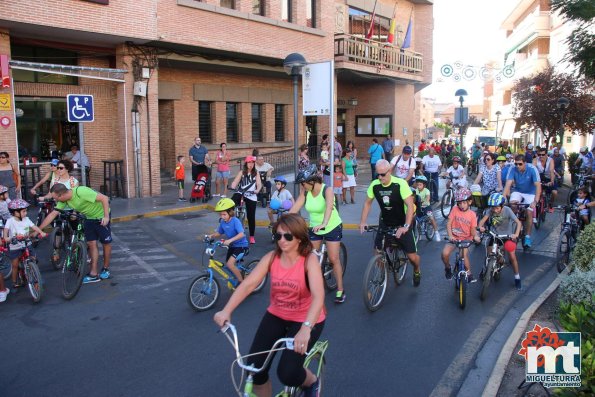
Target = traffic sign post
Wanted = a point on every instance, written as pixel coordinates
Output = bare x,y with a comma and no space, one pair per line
80,110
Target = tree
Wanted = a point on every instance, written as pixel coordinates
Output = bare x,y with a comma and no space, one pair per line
581,43
446,126
535,100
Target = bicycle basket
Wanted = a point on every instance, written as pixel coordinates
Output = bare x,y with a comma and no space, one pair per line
479,201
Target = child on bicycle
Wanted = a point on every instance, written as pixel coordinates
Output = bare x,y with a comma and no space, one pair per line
19,226
232,229
502,220
583,199
281,194
422,191
462,224
457,172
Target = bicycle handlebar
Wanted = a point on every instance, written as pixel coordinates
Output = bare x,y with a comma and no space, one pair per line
460,243
70,213
386,230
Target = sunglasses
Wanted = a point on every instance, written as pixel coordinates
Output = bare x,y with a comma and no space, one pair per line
3,157
489,158
60,168
542,154
519,164
382,175
286,236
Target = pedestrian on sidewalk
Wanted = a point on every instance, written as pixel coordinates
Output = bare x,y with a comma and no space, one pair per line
349,173
376,153
180,175
304,160
95,207
388,146
198,155
222,160
353,156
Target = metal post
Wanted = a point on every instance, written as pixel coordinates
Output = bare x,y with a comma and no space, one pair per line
295,77
82,150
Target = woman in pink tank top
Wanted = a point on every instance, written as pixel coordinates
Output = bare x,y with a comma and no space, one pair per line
296,308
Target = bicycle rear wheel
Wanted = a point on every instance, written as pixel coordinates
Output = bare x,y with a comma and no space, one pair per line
446,203
330,282
74,269
203,292
375,282
247,269
539,208
488,268
57,245
5,266
400,262
572,196
33,280
563,250
430,232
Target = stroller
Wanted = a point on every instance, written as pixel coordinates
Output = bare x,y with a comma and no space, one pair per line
264,196
202,186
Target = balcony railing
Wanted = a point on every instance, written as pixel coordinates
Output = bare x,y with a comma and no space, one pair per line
349,48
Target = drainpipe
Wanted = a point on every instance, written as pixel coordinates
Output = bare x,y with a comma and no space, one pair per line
137,151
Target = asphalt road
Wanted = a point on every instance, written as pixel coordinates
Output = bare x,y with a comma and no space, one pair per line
135,335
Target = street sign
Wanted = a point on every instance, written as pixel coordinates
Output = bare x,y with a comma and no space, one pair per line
316,89
80,108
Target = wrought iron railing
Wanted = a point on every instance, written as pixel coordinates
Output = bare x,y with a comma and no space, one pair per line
349,48
282,161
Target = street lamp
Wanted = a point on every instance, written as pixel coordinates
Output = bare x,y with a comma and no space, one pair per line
498,114
562,106
461,93
293,65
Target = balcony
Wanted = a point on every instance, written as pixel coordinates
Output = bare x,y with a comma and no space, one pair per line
353,52
533,27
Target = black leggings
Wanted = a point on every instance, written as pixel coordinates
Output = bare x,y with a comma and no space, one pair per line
250,211
290,370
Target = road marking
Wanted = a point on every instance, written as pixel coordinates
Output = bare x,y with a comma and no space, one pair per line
142,276
150,269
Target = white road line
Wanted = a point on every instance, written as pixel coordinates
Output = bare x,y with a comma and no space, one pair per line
150,270
178,274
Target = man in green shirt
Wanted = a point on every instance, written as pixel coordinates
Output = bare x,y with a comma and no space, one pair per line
95,207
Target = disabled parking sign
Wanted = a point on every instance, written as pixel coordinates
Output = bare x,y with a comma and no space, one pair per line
80,108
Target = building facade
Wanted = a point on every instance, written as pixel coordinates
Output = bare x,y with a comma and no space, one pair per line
165,71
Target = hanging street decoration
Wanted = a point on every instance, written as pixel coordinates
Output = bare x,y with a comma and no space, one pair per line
459,71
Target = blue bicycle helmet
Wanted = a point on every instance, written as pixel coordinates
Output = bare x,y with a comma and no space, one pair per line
496,200
281,179
421,178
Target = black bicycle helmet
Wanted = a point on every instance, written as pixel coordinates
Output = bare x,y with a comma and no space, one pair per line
307,174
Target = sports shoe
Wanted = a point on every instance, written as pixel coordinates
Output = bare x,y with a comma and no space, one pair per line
313,390
416,279
534,221
105,274
340,297
527,242
223,196
4,294
91,279
448,273
437,237
182,199
216,195
470,278
252,241
518,284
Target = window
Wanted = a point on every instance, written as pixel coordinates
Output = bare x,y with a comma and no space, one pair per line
373,125
568,139
256,122
258,7
279,123
311,13
286,10
359,24
231,116
228,4
204,121
507,98
43,55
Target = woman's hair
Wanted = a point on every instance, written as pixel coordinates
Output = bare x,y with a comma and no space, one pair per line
245,169
295,225
344,153
67,164
4,154
222,143
303,147
374,140
493,156
352,145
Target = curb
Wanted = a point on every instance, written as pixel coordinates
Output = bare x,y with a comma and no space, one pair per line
495,380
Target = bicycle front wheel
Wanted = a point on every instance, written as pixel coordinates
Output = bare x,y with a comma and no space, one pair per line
74,269
488,269
463,290
375,281
5,266
247,269
330,281
400,262
446,203
57,251
33,280
430,232
203,292
563,250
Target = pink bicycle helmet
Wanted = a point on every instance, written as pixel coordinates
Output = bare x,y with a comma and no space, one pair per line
3,189
462,194
18,204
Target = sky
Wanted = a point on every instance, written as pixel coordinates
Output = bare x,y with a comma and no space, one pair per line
466,33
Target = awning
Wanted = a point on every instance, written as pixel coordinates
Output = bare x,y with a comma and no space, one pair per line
507,129
521,44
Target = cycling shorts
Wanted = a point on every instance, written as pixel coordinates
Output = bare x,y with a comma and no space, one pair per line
236,251
406,242
334,235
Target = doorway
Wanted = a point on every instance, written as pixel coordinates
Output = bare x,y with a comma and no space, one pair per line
341,117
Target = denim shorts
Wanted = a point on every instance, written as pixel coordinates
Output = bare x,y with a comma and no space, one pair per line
223,174
94,231
334,235
13,254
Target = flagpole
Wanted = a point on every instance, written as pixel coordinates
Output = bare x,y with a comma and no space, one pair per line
408,33
371,29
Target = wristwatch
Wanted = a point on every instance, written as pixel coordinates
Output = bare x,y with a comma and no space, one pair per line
308,324
406,225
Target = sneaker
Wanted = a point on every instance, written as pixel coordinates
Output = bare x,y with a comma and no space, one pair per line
518,284
340,297
448,273
313,390
223,196
535,221
182,199
91,279
252,241
470,278
217,195
105,274
527,242
437,237
4,294
416,279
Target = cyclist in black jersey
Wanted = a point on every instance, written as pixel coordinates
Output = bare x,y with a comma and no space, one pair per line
397,206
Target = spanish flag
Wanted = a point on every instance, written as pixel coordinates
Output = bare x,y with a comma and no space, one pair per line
391,33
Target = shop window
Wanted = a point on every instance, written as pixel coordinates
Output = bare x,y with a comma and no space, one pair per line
43,55
43,129
258,7
256,122
373,125
204,122
228,4
231,111
279,123
286,6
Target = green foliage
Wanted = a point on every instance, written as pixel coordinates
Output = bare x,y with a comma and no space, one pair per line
578,288
444,126
582,255
578,317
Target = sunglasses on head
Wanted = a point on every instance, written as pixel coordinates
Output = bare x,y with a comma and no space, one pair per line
286,236
382,174
60,168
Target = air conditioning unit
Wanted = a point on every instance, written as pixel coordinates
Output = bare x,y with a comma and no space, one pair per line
140,88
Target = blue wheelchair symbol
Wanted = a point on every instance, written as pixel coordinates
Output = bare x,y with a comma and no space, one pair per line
80,108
